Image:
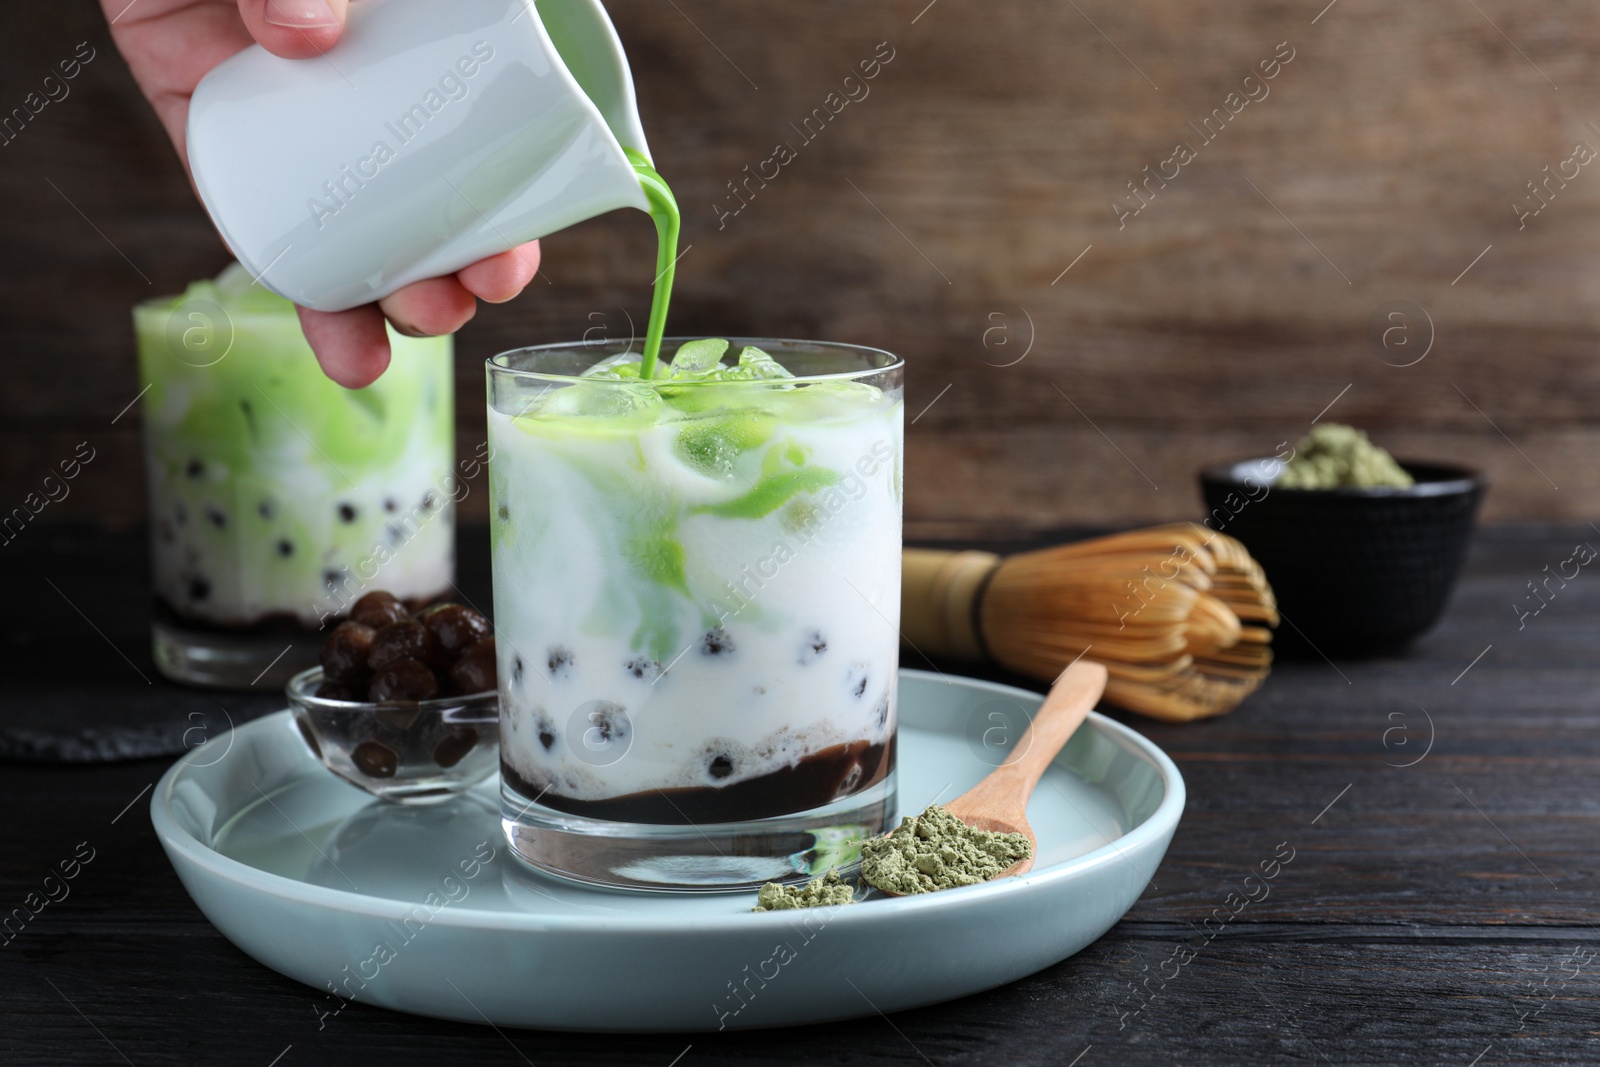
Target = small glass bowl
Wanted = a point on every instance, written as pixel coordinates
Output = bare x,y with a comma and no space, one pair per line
416,752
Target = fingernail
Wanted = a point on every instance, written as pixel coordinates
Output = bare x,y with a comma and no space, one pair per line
301,14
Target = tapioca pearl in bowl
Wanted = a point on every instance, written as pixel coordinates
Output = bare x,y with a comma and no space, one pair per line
418,751
395,712
474,671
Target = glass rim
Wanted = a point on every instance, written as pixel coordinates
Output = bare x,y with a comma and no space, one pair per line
300,692
176,302
496,364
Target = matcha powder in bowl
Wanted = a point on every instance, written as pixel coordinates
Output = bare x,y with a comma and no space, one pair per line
936,850
1333,456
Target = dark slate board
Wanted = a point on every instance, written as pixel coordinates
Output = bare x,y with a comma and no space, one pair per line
84,688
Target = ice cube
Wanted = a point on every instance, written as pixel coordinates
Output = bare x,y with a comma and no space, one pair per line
603,399
713,445
761,365
696,359
621,367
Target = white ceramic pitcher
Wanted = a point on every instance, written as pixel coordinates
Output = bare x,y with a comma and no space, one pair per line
434,134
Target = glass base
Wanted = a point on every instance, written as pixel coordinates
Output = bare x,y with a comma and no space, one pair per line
216,659
709,858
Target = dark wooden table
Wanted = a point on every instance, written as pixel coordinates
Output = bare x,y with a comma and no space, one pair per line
1439,908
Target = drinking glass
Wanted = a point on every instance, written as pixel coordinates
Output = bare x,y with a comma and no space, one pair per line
277,497
697,599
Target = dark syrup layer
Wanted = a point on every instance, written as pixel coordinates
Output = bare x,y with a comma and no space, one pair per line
820,778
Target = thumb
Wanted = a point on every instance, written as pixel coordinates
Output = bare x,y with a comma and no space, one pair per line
352,346
294,29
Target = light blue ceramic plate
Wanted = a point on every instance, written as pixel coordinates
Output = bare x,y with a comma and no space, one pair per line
422,909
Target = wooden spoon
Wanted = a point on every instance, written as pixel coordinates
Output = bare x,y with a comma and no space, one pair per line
1000,802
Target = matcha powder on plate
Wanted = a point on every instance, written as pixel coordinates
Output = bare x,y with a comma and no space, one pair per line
1332,456
825,892
936,850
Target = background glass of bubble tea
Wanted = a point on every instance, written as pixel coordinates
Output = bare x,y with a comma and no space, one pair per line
278,497
697,594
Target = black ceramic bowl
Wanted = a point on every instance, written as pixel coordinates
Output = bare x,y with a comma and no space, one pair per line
1356,571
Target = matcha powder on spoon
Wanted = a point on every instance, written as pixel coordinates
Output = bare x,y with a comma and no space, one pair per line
936,850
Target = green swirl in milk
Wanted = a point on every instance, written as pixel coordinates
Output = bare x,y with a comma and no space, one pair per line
705,440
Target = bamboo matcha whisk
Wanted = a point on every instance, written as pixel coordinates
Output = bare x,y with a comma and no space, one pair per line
1179,615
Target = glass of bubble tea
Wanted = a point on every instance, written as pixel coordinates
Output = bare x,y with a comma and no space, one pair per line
276,496
697,595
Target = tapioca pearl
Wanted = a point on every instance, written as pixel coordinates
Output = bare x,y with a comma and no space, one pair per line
716,642
406,679
378,609
812,647
856,680
199,588
547,731
347,513
216,516
407,639
331,578
345,653
454,746
266,509
720,767
285,548
608,722
474,672
560,662
195,468
455,628
390,505
643,668
599,732
339,691
375,759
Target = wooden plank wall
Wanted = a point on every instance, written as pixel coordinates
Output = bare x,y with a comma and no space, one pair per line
936,215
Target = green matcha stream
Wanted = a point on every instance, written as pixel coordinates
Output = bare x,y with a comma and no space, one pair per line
664,212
